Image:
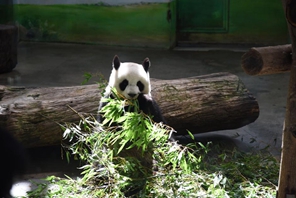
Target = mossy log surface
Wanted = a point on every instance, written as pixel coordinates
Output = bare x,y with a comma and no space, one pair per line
200,104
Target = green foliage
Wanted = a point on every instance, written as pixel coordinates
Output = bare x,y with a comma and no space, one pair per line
39,30
100,79
130,154
87,76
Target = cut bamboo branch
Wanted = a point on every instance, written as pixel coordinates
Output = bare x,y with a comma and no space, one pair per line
267,60
200,104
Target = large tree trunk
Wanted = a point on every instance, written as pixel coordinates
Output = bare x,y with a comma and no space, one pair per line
287,178
267,60
8,48
200,104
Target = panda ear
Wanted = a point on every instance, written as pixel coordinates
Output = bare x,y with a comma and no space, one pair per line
146,64
116,62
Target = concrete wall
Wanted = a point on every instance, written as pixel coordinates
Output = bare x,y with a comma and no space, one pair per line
145,23
137,25
107,2
255,22
6,11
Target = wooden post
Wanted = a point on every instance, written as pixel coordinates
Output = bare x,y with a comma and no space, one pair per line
287,177
8,48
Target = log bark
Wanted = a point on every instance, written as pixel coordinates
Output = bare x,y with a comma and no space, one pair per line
267,60
8,48
200,104
287,177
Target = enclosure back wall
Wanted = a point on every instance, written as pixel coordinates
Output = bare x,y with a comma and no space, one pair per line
154,23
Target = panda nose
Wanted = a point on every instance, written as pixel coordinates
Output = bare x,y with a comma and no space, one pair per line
132,95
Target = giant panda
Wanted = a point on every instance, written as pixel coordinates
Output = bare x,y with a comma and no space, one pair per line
132,81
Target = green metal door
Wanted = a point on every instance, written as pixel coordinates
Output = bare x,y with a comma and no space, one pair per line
202,16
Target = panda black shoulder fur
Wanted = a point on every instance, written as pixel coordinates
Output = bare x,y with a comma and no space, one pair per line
132,80
14,161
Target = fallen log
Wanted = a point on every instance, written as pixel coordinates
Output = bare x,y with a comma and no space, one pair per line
267,60
200,104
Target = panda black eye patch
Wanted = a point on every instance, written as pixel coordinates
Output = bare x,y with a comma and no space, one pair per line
123,84
140,85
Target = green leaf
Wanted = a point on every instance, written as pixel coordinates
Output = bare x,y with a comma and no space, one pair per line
190,134
122,143
87,76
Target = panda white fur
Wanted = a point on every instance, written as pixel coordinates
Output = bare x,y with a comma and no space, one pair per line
129,79
132,80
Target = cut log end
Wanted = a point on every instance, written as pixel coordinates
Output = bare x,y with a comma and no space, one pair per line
252,62
267,60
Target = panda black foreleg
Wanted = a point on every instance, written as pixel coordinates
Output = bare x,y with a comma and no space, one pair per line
150,107
100,116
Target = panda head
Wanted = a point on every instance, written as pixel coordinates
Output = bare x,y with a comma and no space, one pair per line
130,79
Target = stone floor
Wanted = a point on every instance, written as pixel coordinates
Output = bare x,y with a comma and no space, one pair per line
44,64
